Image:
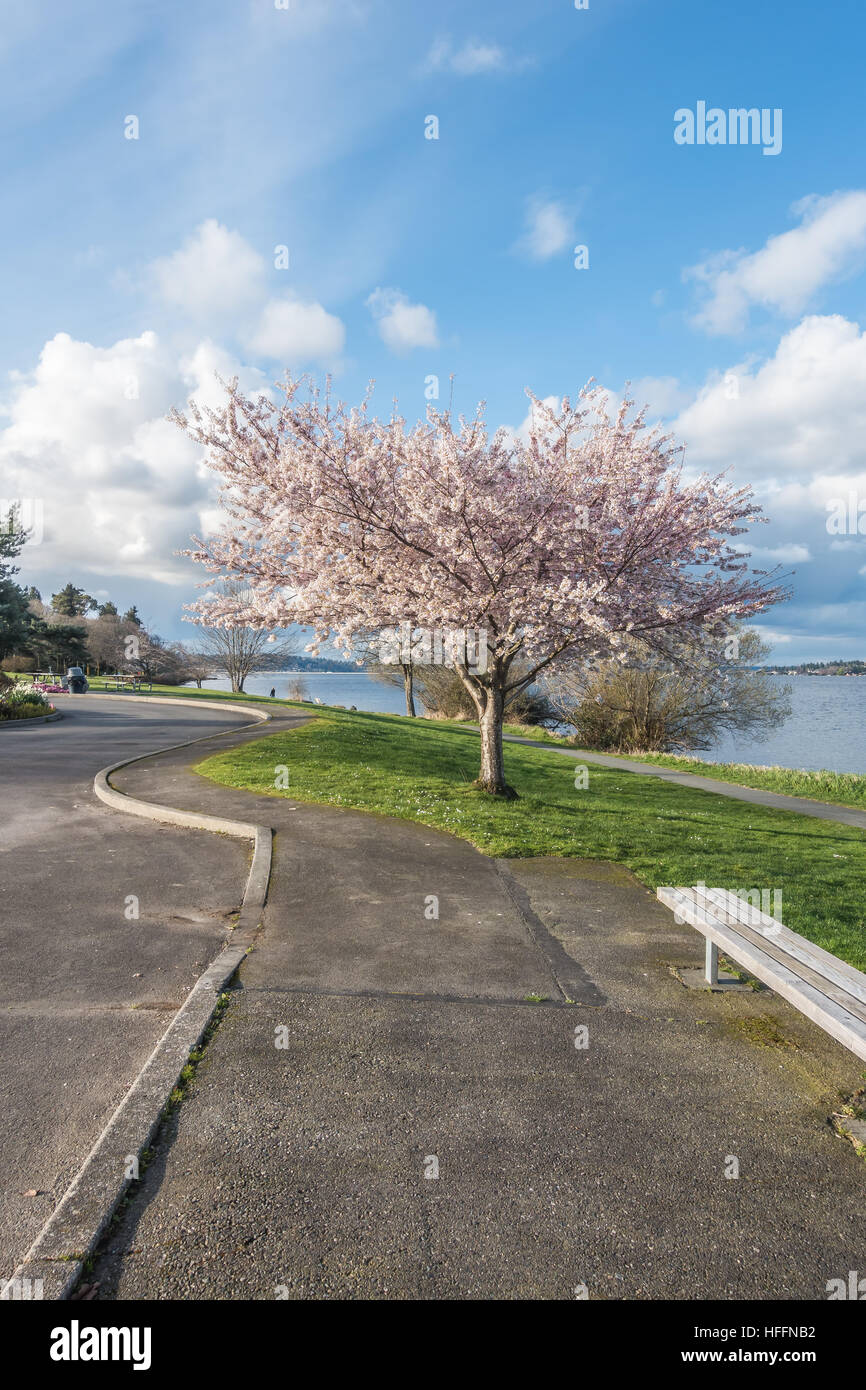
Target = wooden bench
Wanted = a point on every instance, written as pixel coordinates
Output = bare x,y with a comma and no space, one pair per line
825,989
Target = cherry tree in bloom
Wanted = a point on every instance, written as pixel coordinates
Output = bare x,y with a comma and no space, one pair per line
561,548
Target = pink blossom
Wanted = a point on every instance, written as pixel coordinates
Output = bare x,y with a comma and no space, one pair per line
559,548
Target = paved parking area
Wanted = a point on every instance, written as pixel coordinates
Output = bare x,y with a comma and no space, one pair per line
86,988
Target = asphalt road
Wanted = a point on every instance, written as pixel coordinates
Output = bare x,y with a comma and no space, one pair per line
366,1039
86,987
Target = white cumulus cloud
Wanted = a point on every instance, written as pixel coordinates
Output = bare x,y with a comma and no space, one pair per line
792,554
216,274
120,487
402,325
549,229
801,412
470,59
217,283
790,269
294,331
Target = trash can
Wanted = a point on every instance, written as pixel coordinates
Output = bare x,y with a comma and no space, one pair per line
76,680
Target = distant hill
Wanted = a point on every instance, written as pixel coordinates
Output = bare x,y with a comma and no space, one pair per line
311,663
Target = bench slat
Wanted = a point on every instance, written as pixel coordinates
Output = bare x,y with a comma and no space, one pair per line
787,946
813,1001
819,960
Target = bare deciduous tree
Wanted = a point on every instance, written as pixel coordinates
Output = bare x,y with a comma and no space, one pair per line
444,695
676,700
238,650
107,642
197,666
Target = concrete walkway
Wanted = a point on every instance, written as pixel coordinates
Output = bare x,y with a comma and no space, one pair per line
369,1046
86,988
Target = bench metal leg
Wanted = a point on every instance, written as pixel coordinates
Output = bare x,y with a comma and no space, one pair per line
712,962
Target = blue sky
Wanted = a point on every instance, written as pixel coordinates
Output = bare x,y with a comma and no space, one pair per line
726,284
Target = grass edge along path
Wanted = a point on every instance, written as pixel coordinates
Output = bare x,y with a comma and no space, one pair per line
664,832
835,788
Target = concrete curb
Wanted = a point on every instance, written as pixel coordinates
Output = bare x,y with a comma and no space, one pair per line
23,723
169,815
75,1227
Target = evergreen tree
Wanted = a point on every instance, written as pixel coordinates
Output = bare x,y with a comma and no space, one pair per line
72,602
14,614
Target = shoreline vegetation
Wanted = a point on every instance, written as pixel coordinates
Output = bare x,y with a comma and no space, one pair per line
837,788
819,668
665,833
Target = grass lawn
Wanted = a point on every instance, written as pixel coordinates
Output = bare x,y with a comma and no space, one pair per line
98,685
837,788
422,771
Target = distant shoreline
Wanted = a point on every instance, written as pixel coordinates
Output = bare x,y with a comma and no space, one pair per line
302,672
839,670
290,672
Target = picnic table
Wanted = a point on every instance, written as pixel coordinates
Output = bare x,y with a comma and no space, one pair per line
119,681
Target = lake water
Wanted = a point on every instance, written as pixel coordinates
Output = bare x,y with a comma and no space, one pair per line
827,728
332,688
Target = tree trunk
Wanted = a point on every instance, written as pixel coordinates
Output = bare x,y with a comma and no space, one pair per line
492,778
408,687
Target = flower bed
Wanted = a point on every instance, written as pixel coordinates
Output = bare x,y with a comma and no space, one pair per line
24,702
